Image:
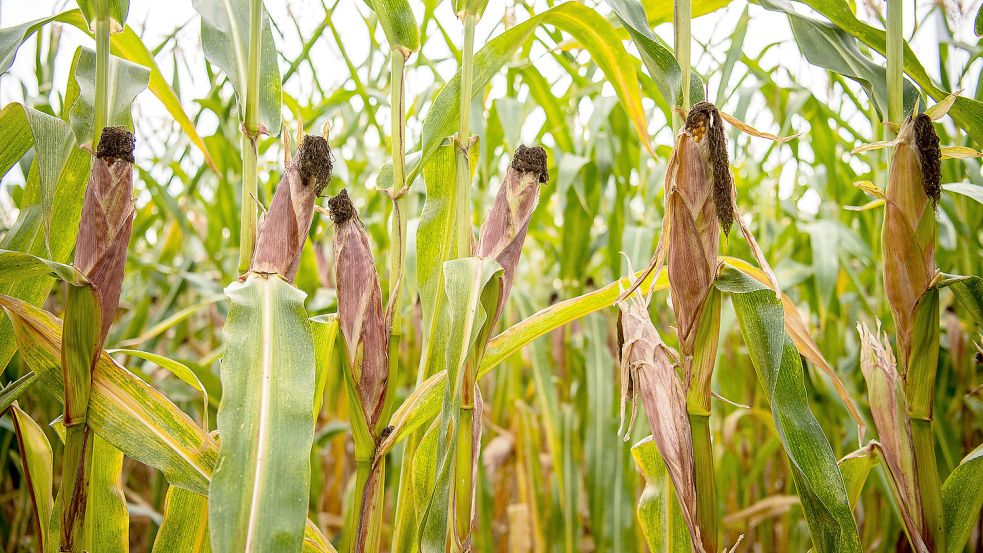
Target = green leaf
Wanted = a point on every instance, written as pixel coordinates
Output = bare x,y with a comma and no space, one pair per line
969,190
81,345
819,482
962,498
399,24
324,330
656,55
126,80
660,519
37,466
660,11
265,420
969,291
436,242
12,38
176,368
118,10
185,525
855,468
12,391
16,265
106,517
225,40
472,287
829,47
591,30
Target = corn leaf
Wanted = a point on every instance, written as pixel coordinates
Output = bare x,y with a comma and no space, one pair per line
225,40
819,482
176,368
472,287
126,81
258,498
324,330
658,513
13,390
185,525
962,498
973,191
856,467
12,38
38,471
399,24
969,291
16,265
118,10
106,517
660,11
656,54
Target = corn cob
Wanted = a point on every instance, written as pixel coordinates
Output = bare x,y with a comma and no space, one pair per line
284,230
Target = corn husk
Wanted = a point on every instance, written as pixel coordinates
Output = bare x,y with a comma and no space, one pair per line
107,221
360,311
504,230
647,372
909,225
885,392
284,229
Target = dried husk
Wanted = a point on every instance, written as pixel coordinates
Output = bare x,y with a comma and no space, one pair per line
504,230
360,310
284,229
648,372
885,393
694,214
909,225
107,221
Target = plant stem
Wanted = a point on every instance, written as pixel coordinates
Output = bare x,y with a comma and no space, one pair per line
706,488
929,485
895,61
682,42
100,116
250,130
397,233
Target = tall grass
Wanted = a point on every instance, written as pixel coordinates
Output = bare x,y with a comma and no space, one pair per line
390,304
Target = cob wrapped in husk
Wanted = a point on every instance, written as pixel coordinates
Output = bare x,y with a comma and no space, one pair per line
284,229
909,226
888,408
360,311
648,372
504,230
100,254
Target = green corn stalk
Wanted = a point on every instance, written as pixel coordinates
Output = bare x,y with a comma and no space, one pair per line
250,134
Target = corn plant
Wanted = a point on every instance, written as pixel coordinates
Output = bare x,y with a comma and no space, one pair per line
361,277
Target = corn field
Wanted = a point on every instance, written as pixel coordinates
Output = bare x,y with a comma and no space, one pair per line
518,276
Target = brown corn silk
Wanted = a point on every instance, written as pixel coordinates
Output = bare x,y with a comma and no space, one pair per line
284,229
647,372
505,228
909,225
360,310
885,391
107,221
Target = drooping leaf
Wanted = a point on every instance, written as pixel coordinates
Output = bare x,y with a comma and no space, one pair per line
16,265
13,390
969,190
38,470
11,39
829,47
962,498
656,54
225,40
258,497
176,368
819,482
969,291
126,81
